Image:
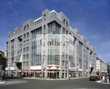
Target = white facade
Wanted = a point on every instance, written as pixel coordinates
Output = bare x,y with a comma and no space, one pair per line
51,48
101,66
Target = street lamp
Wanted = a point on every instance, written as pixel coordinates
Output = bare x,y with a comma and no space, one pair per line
77,69
67,68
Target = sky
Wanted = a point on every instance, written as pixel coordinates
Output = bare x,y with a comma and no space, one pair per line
90,17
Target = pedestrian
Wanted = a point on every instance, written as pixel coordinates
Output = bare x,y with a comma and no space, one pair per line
103,78
69,76
3,75
107,79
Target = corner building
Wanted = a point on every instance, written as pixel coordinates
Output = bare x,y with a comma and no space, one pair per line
48,47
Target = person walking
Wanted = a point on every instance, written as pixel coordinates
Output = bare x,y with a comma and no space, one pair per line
103,78
69,76
107,79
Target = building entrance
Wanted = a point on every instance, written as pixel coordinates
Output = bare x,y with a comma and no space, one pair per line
53,74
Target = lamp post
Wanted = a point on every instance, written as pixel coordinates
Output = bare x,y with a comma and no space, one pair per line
43,71
67,69
77,69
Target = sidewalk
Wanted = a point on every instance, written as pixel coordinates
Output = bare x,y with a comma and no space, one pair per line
2,82
79,78
10,82
54,79
43,78
100,81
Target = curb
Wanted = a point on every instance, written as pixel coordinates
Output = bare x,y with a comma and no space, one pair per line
54,79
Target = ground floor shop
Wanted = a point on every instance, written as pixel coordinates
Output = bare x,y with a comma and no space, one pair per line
52,74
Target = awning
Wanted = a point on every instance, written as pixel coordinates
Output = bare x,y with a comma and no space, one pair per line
35,67
10,68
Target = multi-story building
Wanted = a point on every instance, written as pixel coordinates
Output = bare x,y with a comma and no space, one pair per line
101,66
49,47
108,69
2,53
3,62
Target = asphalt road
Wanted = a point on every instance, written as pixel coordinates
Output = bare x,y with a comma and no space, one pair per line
57,84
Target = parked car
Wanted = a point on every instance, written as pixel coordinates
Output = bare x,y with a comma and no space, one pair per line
94,78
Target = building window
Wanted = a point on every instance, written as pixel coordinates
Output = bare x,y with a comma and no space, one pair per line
54,28
72,61
36,32
36,59
24,36
26,49
27,34
64,30
26,27
36,53
53,56
64,21
80,54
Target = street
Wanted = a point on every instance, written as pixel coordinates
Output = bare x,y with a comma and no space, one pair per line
56,84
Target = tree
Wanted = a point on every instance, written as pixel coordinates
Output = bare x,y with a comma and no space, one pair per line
3,62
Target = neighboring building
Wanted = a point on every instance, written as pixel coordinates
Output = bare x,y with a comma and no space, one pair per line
101,66
2,53
49,47
108,69
3,61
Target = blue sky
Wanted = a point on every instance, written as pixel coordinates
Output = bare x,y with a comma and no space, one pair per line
91,17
